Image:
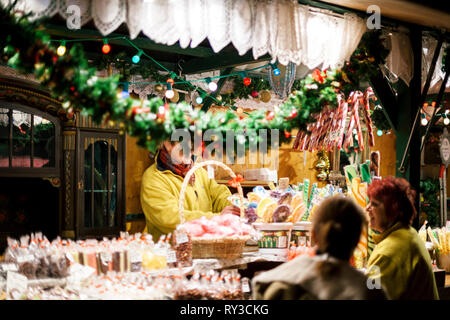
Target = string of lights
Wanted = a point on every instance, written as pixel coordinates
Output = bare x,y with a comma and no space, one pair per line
169,93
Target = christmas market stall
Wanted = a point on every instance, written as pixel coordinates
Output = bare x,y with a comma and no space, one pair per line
313,96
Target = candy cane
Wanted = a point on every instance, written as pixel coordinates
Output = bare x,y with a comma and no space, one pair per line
349,136
297,140
305,140
355,102
368,94
343,117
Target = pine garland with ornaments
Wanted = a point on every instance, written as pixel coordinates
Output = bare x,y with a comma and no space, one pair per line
73,82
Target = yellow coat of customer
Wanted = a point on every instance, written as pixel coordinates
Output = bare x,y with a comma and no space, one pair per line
404,264
160,193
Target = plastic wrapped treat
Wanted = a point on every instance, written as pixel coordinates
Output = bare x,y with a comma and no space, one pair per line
281,213
58,266
250,214
285,198
26,259
189,289
181,242
171,255
11,250
237,293
214,290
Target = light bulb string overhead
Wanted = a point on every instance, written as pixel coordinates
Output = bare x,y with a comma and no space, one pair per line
141,52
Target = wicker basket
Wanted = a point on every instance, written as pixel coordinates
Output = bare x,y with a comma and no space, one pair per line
219,248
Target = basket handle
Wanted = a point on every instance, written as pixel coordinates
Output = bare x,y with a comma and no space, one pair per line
191,172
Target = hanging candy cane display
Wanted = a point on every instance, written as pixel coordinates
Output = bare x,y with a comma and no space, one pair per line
329,131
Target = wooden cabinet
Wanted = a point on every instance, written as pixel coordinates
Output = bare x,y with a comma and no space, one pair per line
100,184
94,179
67,173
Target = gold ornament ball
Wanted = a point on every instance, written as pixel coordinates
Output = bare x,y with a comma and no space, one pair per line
219,98
175,97
322,176
158,88
265,96
321,164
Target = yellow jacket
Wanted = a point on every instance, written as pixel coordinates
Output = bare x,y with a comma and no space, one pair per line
404,264
160,194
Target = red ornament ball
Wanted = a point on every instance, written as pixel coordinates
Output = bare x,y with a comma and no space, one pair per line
293,114
287,134
170,80
254,94
270,116
247,81
106,48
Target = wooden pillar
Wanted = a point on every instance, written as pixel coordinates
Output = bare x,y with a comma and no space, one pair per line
408,104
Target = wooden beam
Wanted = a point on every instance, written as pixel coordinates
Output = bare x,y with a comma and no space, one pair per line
220,61
141,42
208,101
401,11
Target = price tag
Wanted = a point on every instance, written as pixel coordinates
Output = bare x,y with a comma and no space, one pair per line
15,283
182,238
445,148
171,256
25,258
245,285
5,267
135,256
107,257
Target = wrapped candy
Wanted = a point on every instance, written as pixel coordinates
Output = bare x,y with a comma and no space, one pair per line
181,242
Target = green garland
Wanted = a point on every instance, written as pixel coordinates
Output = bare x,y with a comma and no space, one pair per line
73,82
379,119
430,205
241,91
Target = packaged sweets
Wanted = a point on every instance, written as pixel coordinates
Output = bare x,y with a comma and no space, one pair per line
181,242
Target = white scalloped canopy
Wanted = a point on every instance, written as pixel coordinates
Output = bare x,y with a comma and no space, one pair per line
284,29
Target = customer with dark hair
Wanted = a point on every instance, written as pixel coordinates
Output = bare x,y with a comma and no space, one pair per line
400,260
337,226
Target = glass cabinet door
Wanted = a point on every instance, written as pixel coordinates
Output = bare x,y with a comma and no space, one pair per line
27,139
101,181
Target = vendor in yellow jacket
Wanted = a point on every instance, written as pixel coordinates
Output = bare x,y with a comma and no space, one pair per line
160,191
400,262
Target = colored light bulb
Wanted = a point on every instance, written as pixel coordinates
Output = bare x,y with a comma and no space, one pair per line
61,49
106,48
137,57
212,86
